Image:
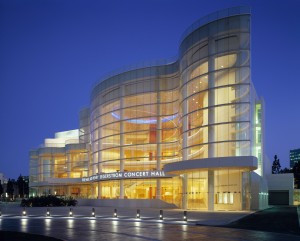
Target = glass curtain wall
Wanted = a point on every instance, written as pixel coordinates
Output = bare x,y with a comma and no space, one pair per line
215,106
141,124
215,90
52,162
135,128
77,163
142,119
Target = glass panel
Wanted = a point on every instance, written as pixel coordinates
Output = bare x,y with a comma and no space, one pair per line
228,189
197,85
199,70
225,61
197,197
110,189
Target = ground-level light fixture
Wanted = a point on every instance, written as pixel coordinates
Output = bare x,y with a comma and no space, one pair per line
93,212
24,212
138,213
161,214
184,215
48,212
70,213
115,213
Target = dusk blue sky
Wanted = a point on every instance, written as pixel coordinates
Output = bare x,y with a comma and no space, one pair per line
53,51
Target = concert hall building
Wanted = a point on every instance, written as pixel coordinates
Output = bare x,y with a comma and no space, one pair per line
189,133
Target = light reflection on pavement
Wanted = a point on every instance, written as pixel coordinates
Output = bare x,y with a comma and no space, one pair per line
115,229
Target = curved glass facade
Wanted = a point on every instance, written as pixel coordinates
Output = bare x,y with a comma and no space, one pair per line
138,126
135,127
215,90
201,106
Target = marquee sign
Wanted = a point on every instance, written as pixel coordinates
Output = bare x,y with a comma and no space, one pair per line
125,175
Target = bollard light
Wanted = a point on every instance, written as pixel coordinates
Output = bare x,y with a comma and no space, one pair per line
184,215
115,213
71,213
161,214
0,212
24,212
138,213
48,212
93,212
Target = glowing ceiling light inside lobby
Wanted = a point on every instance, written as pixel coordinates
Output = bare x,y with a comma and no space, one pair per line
143,121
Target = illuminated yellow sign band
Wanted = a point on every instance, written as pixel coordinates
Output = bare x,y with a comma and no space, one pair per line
125,175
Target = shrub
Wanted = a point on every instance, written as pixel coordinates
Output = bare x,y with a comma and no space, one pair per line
48,201
71,201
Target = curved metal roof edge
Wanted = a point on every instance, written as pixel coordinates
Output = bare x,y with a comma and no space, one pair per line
227,12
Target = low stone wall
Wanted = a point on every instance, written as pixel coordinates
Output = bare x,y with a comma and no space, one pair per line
131,203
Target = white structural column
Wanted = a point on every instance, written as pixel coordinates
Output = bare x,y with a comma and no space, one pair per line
95,156
158,141
52,165
99,190
68,172
211,188
95,166
93,190
246,190
211,121
68,190
68,164
94,163
99,149
122,141
185,129
211,102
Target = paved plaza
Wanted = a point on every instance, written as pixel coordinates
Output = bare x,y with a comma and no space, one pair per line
82,226
129,214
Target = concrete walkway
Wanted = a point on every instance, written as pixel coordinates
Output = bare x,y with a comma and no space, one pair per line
127,227
146,214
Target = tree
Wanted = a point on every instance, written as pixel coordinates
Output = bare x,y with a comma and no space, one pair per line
23,187
276,165
26,187
10,188
296,171
20,183
1,189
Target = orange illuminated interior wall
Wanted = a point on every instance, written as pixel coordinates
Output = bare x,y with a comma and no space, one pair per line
152,133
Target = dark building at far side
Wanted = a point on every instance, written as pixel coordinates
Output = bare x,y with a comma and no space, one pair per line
294,157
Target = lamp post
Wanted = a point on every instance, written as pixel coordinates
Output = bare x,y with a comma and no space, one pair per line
185,216
48,212
24,212
161,214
